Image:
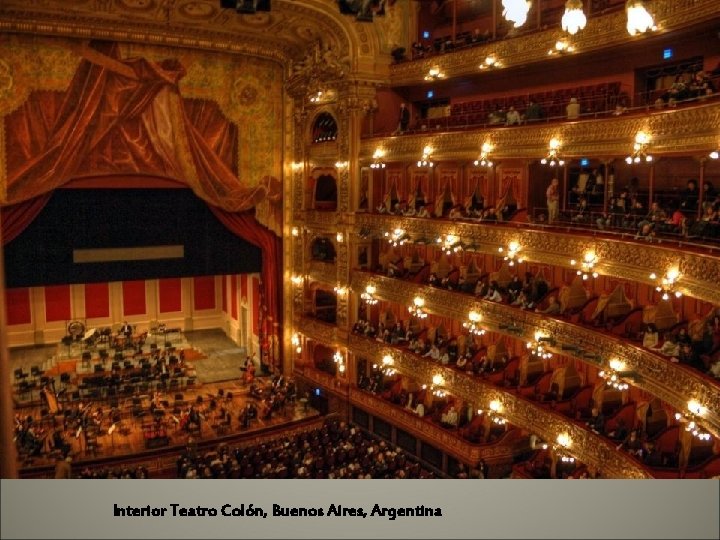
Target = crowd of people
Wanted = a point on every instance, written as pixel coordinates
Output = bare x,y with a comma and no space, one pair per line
335,450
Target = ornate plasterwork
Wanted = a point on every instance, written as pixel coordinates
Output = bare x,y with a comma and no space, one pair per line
683,130
672,383
601,32
619,258
586,446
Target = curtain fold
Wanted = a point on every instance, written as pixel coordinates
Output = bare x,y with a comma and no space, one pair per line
17,217
249,229
125,116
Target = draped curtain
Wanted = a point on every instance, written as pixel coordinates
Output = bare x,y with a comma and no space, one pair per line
125,116
17,217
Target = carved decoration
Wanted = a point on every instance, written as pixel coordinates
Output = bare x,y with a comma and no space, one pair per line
674,384
587,447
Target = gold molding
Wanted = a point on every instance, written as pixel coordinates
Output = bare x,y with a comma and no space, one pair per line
602,32
693,129
587,447
618,258
670,382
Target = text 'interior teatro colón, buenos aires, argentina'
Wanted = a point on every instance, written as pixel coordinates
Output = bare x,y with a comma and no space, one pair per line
360,239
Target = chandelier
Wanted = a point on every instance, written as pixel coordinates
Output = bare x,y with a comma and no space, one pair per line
397,237
574,18
587,265
490,61
638,18
340,290
450,244
563,443
553,156
417,309
297,280
425,160
438,381
484,159
377,160
512,253
696,412
667,283
339,360
473,323
316,97
434,74
369,295
537,346
642,141
516,11
496,408
616,376
295,341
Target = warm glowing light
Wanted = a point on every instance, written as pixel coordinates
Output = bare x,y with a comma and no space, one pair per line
434,74
512,253
397,237
417,308
574,18
587,265
553,156
425,160
516,11
450,244
638,18
340,237
369,295
438,380
714,154
341,164
377,159
295,231
564,440
695,408
297,280
617,365
495,406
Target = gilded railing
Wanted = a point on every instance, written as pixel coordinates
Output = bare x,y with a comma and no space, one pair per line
670,382
618,258
690,130
601,32
586,446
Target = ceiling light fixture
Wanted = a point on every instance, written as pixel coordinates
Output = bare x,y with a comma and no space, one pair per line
574,18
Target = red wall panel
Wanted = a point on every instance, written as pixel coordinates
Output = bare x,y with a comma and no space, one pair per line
57,303
18,306
204,288
97,300
134,298
170,292
224,293
255,304
233,297
243,286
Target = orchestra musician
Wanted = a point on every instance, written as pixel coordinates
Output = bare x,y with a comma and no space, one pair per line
126,329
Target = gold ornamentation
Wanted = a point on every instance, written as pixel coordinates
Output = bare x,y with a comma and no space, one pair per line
656,374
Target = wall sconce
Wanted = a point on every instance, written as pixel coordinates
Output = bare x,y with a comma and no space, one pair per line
562,46
715,154
553,156
295,341
537,347
642,141
490,61
316,97
417,309
295,232
495,409
377,159
668,283
297,280
638,18
397,237
512,253
341,164
434,74
692,420
340,290
473,324
369,295
296,166
438,381
574,18
340,237
516,11
563,443
616,376
587,264
339,359
450,244
425,160
484,159
388,362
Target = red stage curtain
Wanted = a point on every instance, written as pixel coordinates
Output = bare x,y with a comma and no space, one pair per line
247,227
123,116
17,217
